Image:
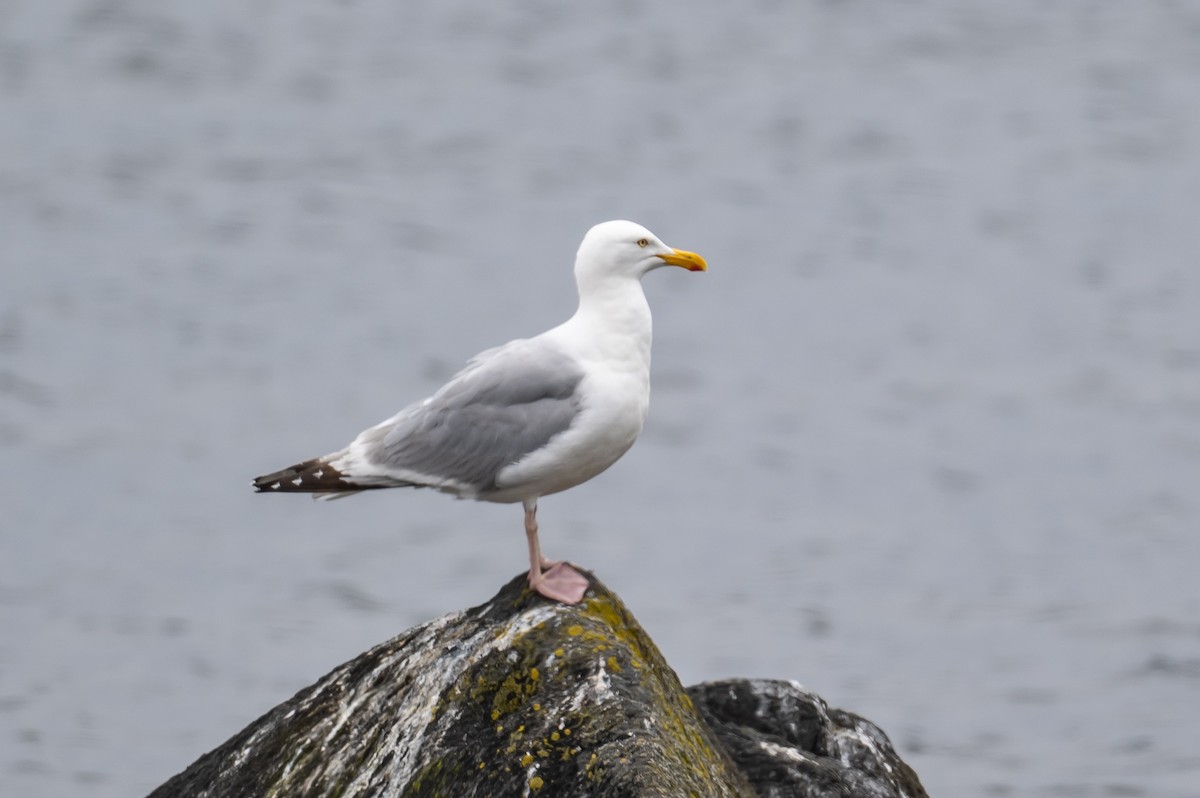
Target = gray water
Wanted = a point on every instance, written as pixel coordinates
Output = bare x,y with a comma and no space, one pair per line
926,437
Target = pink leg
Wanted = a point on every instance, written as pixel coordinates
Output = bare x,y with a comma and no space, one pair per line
559,581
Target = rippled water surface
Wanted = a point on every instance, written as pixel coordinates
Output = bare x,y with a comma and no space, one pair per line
926,437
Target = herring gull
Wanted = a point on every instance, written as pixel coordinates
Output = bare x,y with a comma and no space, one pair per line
532,417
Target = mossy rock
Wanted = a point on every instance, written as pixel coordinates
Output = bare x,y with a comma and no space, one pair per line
519,696
525,697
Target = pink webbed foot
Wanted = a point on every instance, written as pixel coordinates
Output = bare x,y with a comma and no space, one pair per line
560,583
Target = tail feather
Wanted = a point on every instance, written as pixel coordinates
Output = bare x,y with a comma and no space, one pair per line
311,476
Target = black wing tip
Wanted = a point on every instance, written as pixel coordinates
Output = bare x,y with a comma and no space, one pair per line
311,476
263,485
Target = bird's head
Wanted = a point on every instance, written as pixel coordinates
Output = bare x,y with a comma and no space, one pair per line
626,249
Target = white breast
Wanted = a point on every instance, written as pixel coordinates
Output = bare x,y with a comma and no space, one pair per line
613,411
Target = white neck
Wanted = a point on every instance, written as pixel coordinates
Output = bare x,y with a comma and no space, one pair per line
613,319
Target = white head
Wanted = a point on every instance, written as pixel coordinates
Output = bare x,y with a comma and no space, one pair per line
623,249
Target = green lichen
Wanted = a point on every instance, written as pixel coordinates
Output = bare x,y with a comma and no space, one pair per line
690,744
438,779
516,694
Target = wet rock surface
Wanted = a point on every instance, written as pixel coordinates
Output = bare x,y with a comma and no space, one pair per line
788,742
521,696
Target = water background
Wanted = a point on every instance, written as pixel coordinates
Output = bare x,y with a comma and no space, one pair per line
926,437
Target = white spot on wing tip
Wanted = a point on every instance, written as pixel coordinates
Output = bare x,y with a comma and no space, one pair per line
318,473
275,486
297,480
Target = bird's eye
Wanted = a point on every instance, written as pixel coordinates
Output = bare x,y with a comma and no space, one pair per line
642,242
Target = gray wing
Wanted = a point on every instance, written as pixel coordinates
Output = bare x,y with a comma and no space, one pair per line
507,403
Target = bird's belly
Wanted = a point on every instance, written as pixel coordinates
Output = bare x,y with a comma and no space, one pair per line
605,430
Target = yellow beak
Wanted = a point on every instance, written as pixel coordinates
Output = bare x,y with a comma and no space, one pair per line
688,260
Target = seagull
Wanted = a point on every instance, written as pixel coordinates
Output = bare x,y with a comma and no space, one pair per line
532,417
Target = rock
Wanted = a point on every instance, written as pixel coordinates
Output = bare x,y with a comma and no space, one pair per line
788,742
524,697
